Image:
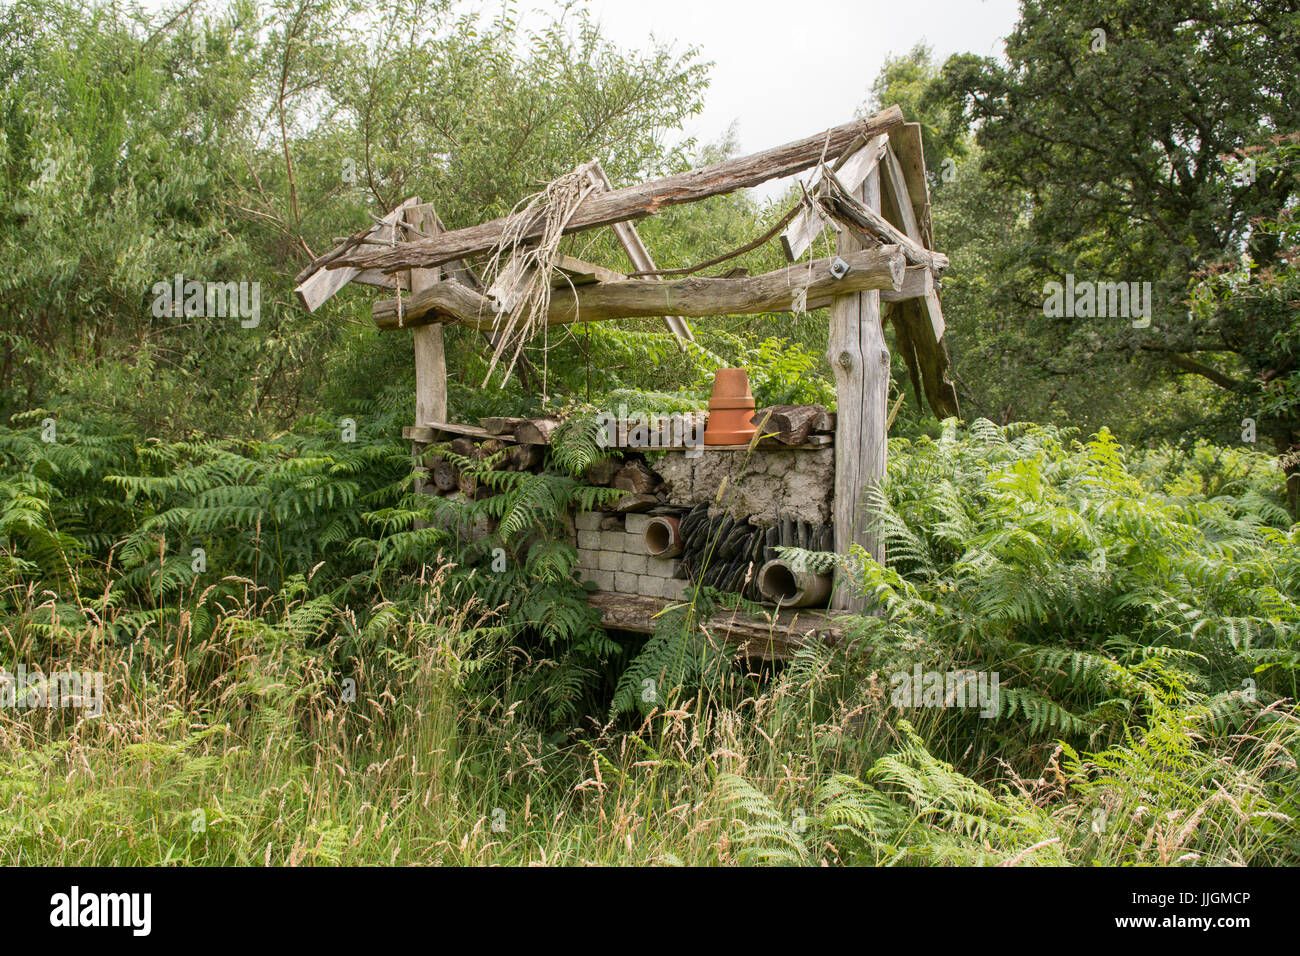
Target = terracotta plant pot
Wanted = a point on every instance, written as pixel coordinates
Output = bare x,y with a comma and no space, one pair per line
731,407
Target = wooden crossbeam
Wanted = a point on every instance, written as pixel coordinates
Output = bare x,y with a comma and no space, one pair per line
783,290
918,281
634,202
323,282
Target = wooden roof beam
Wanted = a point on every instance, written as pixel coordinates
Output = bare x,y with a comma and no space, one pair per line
784,290
635,202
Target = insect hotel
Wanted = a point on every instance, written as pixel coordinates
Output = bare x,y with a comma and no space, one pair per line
791,476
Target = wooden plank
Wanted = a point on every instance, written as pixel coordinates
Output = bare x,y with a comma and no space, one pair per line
634,202
918,324
906,142
896,184
579,272
322,284
432,432
450,302
509,286
926,357
778,635
639,256
853,172
382,280
933,311
859,358
430,356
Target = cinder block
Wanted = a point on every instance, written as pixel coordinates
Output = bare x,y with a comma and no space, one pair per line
675,590
634,544
634,563
612,540
602,579
588,559
587,520
649,585
636,524
626,583
662,567
589,540
609,560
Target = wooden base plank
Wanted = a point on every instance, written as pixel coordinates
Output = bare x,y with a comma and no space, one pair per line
431,432
776,638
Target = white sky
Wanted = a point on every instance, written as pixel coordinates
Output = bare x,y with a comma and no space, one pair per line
784,69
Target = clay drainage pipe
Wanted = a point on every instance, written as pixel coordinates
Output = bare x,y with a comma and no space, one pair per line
781,584
662,538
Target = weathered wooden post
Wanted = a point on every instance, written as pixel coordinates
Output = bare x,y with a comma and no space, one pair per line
859,358
430,359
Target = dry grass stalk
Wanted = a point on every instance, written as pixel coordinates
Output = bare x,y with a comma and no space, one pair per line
532,262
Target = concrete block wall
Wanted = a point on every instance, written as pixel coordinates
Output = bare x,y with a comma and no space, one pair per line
615,559
763,486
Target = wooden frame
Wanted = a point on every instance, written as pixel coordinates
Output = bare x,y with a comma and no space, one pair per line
870,189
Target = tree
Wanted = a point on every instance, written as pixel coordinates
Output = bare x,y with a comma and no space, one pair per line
1124,128
234,144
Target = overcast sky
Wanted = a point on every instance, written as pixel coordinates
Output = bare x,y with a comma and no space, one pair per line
784,69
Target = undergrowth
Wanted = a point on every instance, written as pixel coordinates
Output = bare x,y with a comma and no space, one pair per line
305,663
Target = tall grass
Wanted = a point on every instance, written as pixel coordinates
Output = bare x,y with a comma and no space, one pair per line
358,711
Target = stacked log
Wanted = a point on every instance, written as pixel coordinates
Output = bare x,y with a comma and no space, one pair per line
525,431
444,477
642,486
797,424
